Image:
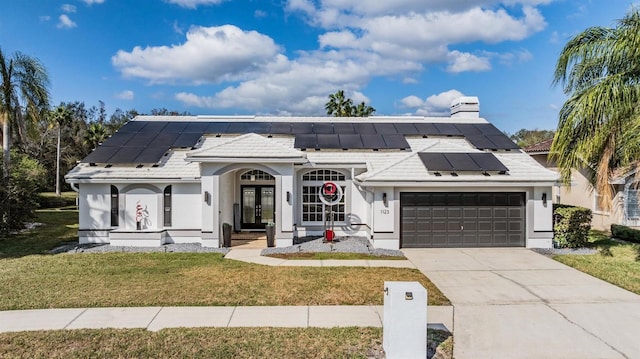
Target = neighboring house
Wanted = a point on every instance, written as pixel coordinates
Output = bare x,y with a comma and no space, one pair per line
624,208
407,181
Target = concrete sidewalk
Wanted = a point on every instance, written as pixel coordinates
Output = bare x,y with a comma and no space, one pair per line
157,318
253,256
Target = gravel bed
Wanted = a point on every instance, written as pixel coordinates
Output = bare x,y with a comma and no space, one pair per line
557,251
340,244
105,248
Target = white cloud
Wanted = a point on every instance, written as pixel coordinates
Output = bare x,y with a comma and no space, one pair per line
192,4
259,14
434,105
45,18
125,95
91,2
68,8
177,29
64,22
463,61
209,55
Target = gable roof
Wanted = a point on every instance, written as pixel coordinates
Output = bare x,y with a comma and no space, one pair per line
251,147
540,147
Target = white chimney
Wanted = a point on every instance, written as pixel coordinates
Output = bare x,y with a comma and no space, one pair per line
465,106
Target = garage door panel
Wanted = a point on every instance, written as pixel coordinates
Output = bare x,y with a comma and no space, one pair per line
462,219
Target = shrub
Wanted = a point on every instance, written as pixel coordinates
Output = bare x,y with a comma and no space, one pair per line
571,226
625,233
19,199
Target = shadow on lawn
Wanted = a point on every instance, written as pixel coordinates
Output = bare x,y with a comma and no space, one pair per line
58,226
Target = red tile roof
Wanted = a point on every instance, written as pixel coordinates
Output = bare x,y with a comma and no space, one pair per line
544,146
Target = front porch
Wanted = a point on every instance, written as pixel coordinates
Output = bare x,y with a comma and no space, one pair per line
248,240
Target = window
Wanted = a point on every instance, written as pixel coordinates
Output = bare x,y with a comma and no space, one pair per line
633,204
256,175
313,210
115,204
166,204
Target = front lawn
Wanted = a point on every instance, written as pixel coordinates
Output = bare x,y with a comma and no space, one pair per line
205,343
29,278
616,262
333,255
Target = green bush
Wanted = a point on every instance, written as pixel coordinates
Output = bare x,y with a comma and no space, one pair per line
571,226
625,233
19,197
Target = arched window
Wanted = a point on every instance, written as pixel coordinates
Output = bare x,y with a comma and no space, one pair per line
115,207
256,175
166,204
313,210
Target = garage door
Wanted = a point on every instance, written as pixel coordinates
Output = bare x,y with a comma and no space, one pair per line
462,219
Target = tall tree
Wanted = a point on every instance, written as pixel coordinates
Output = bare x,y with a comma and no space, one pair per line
362,110
60,117
24,96
96,134
526,137
599,70
338,105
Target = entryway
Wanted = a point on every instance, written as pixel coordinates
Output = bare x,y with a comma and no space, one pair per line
258,206
249,240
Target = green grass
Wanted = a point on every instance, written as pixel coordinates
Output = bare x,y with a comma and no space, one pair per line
616,262
30,278
333,255
205,343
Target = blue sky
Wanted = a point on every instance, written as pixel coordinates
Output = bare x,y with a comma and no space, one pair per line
284,57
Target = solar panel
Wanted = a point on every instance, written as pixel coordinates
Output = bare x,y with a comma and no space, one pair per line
322,128
196,127
481,142
118,139
503,142
186,140
462,162
153,126
280,128
435,162
175,127
373,141
126,155
301,128
406,129
151,154
343,128
132,126
164,139
238,127
217,127
350,141
305,141
257,127
447,129
396,141
426,129
142,138
100,155
488,129
364,128
385,128
327,141
468,129
488,162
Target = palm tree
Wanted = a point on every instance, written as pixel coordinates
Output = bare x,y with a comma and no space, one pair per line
338,105
362,110
599,70
24,96
96,134
60,116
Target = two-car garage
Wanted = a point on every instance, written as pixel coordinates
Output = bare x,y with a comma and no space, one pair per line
462,219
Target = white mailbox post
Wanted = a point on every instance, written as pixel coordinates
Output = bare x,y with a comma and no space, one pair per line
404,324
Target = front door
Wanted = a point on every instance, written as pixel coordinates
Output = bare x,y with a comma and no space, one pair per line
258,206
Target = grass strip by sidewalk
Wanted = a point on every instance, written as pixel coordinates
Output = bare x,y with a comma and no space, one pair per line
206,343
617,262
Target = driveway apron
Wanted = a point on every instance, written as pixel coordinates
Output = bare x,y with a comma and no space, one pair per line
515,303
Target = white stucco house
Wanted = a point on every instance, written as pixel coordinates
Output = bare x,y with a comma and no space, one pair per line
453,181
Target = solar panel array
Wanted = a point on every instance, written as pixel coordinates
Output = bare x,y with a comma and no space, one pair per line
148,141
461,162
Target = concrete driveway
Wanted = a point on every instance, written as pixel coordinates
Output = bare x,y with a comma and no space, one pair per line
514,303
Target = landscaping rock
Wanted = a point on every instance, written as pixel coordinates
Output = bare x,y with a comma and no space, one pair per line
350,244
167,248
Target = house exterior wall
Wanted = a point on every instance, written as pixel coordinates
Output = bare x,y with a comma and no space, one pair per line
94,207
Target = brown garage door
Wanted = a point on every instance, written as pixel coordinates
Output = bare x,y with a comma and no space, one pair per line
432,219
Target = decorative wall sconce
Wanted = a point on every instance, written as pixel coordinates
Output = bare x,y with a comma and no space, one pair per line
384,199
288,197
544,198
207,196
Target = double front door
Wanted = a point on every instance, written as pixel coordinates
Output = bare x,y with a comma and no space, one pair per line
258,206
